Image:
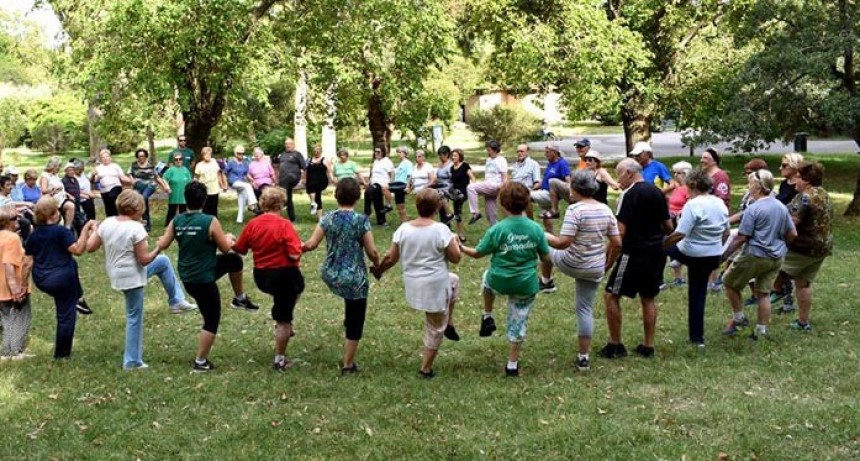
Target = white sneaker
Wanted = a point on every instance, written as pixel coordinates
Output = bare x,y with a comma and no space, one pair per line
182,307
313,208
141,367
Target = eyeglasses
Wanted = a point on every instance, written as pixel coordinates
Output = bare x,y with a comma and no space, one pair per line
679,172
590,159
522,151
181,140
784,165
178,159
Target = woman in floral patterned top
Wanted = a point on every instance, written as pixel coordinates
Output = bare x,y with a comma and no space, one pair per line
347,234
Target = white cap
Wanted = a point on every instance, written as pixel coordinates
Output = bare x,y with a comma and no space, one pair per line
594,154
640,147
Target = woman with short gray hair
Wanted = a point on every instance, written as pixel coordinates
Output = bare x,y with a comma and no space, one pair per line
580,251
51,184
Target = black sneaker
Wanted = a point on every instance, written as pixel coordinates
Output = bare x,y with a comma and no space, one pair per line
582,364
203,367
451,333
244,304
350,370
613,351
512,372
282,365
447,218
83,308
548,287
644,351
387,209
488,326
426,374
788,306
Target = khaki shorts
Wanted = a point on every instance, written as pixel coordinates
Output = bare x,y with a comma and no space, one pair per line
747,267
800,266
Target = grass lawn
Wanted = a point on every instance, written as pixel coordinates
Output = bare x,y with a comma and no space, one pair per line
793,396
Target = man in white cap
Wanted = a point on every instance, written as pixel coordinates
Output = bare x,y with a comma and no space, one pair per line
653,171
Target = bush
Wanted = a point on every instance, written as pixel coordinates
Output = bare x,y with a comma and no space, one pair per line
13,122
507,125
58,123
272,142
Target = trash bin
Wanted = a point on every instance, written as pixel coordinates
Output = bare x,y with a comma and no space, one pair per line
800,139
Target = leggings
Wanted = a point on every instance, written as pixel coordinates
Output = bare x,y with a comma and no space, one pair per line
209,302
583,302
172,210
355,311
210,207
109,199
317,195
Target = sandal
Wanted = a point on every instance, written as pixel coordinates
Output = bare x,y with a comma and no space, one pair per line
475,218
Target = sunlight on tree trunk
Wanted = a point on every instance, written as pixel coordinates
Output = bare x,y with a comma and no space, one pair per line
300,136
329,135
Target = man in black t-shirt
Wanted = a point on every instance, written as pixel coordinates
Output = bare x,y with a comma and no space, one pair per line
643,219
290,168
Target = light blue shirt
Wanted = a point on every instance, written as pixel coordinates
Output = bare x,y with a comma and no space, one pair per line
526,172
765,223
403,171
703,221
17,194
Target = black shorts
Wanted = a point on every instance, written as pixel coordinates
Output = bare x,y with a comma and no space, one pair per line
285,284
637,274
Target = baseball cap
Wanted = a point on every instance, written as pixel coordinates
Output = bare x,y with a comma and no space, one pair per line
12,171
584,142
640,147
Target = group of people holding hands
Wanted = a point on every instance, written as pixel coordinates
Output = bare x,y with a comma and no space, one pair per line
783,237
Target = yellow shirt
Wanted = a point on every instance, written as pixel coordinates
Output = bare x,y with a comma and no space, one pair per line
207,173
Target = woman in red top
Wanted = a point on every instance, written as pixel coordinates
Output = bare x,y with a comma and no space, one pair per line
710,162
277,249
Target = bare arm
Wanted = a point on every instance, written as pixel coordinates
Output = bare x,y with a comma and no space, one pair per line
15,285
558,242
370,248
667,227
88,237
739,240
613,250
672,239
471,252
312,243
223,241
26,270
392,256
452,251
471,176
167,238
608,179
142,253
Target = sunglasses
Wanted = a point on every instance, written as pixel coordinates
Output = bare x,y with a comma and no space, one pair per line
178,159
590,159
784,165
181,140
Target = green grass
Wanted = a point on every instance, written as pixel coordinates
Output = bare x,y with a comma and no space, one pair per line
791,397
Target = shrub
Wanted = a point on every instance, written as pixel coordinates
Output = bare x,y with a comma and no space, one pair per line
13,122
505,124
58,123
272,142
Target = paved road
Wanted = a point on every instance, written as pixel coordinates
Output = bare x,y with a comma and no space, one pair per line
669,144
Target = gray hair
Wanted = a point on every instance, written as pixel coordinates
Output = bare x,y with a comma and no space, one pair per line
628,164
53,162
699,180
764,178
584,182
403,149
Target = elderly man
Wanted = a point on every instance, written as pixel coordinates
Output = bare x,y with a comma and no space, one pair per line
526,171
643,220
554,185
290,169
583,146
653,171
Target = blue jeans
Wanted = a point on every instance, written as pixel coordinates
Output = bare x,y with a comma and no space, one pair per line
133,356
698,271
163,268
146,190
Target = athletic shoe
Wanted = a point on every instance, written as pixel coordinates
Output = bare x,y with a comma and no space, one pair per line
350,370
488,326
788,306
800,326
426,374
182,307
140,367
613,351
674,264
734,326
678,282
203,367
83,308
282,365
716,287
777,295
387,208
582,364
664,286
751,301
644,351
313,208
255,208
245,304
451,333
512,372
475,218
548,287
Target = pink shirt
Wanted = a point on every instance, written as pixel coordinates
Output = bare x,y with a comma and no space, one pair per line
261,172
678,199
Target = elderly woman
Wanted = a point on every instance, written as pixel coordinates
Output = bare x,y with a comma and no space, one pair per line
260,172
30,190
146,181
443,183
515,243
765,227
710,162
51,184
345,168
423,174
681,194
110,178
426,247
55,271
605,180
402,174
788,169
381,174
348,238
812,214
317,179
697,242
126,258
495,174
176,177
209,173
580,251
236,172
14,287
461,177
277,250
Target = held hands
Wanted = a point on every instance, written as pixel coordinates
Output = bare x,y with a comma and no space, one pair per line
377,272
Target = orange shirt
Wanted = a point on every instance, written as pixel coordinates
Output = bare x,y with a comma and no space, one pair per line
582,164
11,252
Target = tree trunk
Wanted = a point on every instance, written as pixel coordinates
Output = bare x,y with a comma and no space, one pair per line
96,143
854,207
150,138
198,129
329,135
377,121
637,125
300,134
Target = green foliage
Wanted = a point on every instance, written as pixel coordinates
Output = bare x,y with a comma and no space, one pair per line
272,142
14,121
58,123
505,124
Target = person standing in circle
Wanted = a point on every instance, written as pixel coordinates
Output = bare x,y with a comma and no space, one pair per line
208,172
291,170
316,175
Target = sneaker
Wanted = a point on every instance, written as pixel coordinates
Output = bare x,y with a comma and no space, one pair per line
582,364
182,307
350,370
613,351
475,217
734,326
716,287
245,304
751,301
644,351
777,295
387,208
788,306
451,333
800,326
255,208
426,374
313,208
83,308
548,287
488,326
674,264
203,367
678,282
282,365
141,367
512,372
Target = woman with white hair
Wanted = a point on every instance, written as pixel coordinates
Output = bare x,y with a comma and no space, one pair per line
51,184
111,178
677,199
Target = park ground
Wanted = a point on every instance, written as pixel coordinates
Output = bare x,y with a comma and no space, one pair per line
792,396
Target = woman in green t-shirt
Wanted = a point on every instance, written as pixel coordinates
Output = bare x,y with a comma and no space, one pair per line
344,168
515,244
176,177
